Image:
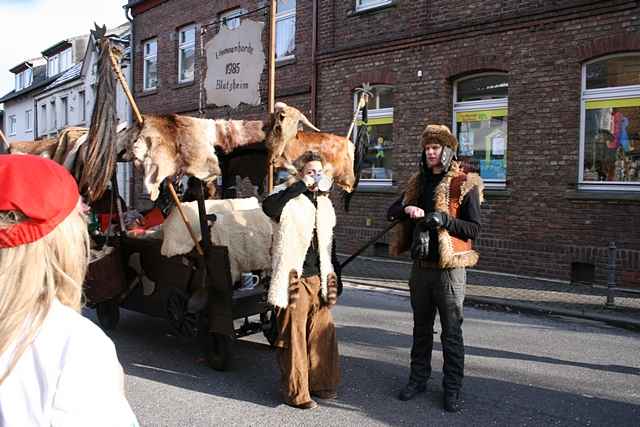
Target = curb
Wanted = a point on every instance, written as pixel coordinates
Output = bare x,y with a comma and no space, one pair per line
520,306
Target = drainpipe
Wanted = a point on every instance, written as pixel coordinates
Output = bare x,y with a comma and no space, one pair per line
132,85
314,65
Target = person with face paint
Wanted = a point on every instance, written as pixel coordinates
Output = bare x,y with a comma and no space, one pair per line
440,217
304,285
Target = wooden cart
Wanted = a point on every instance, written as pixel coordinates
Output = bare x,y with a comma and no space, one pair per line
193,292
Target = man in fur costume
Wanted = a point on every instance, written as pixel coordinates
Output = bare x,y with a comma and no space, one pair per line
440,210
304,286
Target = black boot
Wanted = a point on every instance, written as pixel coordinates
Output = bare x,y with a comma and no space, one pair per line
410,391
452,401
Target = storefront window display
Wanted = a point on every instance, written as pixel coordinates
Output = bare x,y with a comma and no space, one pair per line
377,169
480,123
610,135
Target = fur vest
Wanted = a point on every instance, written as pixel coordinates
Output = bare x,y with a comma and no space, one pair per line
448,197
292,238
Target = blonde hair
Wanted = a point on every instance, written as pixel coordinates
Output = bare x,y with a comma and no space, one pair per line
33,274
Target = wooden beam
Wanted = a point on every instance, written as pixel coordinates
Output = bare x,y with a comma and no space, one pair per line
272,78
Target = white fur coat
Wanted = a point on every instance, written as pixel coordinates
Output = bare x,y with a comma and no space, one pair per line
292,238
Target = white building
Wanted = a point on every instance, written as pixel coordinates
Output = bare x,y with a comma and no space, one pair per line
58,89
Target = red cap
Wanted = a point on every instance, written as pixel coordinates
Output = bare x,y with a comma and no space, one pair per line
39,188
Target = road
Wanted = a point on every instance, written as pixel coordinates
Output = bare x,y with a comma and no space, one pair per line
520,370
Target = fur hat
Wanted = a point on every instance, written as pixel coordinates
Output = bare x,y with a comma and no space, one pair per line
439,134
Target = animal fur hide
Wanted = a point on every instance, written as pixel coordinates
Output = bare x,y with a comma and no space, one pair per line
337,152
241,226
292,237
170,144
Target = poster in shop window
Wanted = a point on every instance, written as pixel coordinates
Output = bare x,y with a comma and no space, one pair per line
235,61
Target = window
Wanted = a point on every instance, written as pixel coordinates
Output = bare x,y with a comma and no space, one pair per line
12,125
285,28
369,4
27,120
150,70
480,122
65,60
27,77
231,19
43,118
53,65
65,110
53,123
186,53
610,123
377,168
82,112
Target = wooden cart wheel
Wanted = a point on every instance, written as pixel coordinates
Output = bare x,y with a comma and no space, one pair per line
108,315
182,322
218,351
270,326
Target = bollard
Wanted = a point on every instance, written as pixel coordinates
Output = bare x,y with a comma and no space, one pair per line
611,274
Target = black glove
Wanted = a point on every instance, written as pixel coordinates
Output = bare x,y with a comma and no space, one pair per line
436,219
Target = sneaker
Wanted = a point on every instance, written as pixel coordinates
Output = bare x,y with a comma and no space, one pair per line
452,401
410,391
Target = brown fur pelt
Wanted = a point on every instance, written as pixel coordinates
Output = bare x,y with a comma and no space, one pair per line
101,154
283,128
169,144
43,147
336,151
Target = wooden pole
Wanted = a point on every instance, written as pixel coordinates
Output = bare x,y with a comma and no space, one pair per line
136,112
125,86
184,218
272,77
361,104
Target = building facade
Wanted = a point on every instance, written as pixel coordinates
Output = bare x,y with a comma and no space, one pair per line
544,97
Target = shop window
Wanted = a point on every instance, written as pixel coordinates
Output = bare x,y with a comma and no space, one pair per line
186,53
610,123
480,122
150,71
231,18
370,4
285,29
377,168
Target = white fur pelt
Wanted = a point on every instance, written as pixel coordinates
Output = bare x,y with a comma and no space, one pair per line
292,238
248,235
177,240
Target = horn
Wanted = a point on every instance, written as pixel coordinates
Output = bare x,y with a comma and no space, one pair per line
307,123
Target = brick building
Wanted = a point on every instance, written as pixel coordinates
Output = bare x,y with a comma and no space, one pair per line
544,97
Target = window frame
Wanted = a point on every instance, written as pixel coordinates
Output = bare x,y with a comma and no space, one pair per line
12,125
28,120
53,125
51,61
610,93
44,118
145,58
65,55
372,4
281,16
82,113
64,104
232,15
481,105
376,113
183,46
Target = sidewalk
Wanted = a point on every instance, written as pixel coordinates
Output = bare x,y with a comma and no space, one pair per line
510,292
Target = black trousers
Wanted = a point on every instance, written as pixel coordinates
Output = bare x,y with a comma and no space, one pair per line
442,290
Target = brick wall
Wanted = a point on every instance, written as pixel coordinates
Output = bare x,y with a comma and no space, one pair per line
537,227
540,225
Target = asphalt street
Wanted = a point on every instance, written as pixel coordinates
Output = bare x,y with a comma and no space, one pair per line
520,370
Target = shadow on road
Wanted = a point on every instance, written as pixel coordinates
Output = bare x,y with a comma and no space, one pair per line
370,382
